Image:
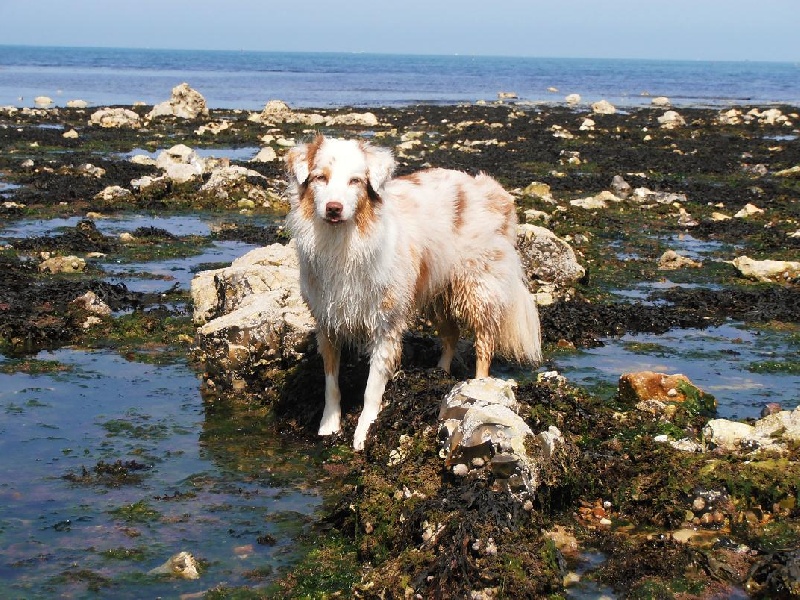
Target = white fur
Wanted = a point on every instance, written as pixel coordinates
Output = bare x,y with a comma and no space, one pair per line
373,250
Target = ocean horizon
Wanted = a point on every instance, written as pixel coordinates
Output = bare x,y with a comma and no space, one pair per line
248,79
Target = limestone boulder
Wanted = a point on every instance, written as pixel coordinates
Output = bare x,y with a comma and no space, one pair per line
115,118
480,430
185,103
251,316
778,271
773,432
671,120
603,107
672,261
62,264
549,262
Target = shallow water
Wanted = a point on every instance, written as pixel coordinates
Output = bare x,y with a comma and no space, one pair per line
200,491
715,359
243,153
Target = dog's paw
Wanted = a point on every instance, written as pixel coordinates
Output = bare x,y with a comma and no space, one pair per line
358,441
330,424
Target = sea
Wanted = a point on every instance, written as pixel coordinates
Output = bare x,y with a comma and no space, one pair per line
247,80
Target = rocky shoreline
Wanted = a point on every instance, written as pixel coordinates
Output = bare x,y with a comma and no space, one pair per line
478,493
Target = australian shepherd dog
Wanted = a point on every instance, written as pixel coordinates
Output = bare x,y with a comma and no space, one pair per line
374,249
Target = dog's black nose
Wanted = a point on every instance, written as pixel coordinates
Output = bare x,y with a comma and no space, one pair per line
333,210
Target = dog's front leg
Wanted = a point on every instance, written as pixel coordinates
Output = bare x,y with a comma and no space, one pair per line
383,359
332,414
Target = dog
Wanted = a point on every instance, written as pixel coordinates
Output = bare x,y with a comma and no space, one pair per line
374,249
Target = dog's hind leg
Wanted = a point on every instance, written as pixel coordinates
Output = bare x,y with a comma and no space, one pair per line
331,356
448,332
384,358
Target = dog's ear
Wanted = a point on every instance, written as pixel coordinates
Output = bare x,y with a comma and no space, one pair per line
297,163
380,166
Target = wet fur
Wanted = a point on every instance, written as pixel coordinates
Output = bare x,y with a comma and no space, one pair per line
374,249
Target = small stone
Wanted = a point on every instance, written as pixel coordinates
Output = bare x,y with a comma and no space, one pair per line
460,470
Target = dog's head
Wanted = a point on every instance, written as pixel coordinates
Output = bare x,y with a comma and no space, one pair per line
338,180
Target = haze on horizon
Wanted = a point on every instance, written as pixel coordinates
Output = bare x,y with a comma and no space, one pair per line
679,30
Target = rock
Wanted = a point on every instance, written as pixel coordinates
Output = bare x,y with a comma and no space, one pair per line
648,386
42,101
63,264
532,215
90,303
671,261
587,125
366,119
718,216
549,262
91,170
620,187
772,432
213,128
277,111
115,118
143,159
70,135
185,103
671,120
643,194
266,154
748,211
573,99
481,431
590,203
767,270
251,314
180,163
77,104
790,172
730,117
114,193
507,95
603,107
222,180
539,190
182,564
660,101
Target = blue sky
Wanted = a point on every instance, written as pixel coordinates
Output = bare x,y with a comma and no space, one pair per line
677,29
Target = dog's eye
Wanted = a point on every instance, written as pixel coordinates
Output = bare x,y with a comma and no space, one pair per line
356,181
319,178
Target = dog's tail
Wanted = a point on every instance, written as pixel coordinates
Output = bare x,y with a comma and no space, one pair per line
520,333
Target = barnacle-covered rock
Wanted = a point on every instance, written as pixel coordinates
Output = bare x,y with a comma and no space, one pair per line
482,432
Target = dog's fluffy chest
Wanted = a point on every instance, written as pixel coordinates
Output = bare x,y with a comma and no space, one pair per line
349,282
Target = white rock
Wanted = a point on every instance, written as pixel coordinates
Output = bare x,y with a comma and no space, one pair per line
252,314
266,154
115,118
63,264
660,101
70,135
767,270
671,120
748,211
587,125
114,193
77,104
573,99
185,103
603,107
366,119
549,261
42,101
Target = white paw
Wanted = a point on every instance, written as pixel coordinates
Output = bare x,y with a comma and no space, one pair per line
330,424
358,440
